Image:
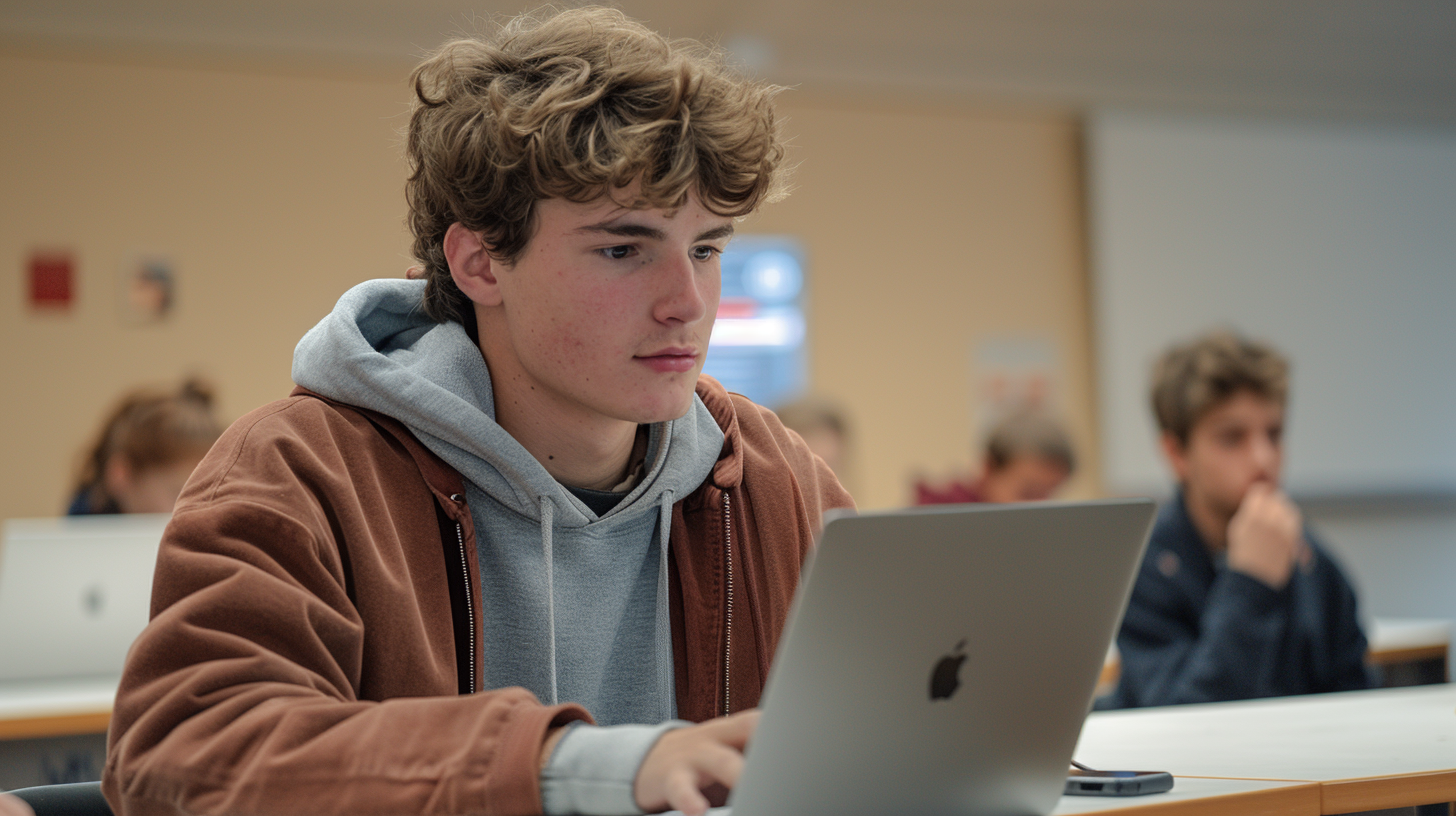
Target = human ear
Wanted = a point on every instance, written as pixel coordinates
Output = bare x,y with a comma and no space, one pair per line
471,266
1177,455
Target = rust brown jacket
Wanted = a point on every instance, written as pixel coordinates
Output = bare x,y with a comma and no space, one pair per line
315,632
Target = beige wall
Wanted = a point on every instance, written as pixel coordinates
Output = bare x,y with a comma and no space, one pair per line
927,230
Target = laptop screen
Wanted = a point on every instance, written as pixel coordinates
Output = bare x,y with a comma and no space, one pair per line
74,593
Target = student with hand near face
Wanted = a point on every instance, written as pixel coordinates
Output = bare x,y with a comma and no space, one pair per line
1236,598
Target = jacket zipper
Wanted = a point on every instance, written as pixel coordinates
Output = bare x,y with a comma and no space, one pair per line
469,602
728,616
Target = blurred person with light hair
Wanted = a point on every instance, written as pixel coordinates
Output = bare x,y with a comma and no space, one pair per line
1236,599
1027,457
821,423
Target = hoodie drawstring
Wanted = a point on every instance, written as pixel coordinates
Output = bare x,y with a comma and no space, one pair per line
547,516
665,679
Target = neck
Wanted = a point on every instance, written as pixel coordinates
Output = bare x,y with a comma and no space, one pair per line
578,448
1211,525
591,455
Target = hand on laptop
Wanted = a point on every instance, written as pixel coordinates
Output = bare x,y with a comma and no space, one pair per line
687,760
14,806
1266,536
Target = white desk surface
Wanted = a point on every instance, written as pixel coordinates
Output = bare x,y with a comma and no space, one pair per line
1388,634
55,707
38,698
1379,748
1189,797
1194,796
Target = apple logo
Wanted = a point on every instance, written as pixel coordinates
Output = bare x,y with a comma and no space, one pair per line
946,676
93,600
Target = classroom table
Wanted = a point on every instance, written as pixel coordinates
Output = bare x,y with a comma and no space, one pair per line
1195,796
1393,642
83,706
1327,754
1189,797
1410,650
1367,750
53,708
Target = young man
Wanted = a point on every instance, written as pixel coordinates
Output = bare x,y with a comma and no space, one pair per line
502,502
1028,458
1235,598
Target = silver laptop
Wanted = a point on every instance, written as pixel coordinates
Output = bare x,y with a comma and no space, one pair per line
942,660
74,593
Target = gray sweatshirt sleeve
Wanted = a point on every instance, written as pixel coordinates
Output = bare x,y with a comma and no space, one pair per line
593,768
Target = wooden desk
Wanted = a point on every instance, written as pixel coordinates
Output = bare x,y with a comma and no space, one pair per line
1394,642
56,708
1193,796
1367,750
1407,651
1189,797
1332,753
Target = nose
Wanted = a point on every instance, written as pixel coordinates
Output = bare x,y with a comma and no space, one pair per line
685,290
1266,455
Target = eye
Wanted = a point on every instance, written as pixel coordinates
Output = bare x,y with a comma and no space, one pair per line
704,252
619,253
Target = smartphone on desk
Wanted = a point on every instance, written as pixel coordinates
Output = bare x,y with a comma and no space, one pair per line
1087,782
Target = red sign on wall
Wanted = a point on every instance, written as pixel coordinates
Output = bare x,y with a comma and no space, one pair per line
52,280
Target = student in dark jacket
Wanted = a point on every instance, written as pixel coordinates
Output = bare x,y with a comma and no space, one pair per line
1235,598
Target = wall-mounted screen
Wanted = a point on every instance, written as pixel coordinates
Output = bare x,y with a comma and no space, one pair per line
757,347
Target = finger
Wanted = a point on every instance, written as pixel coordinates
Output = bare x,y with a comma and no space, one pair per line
680,789
736,729
1267,496
719,763
14,806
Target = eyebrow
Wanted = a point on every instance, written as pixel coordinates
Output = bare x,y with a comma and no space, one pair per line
653,233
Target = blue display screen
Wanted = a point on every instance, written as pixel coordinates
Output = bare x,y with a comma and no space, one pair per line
757,348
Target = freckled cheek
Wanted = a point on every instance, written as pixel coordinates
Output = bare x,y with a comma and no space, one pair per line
571,336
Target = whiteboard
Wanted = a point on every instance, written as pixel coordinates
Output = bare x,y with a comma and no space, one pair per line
1337,244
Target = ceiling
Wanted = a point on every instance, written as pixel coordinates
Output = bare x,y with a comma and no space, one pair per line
1383,60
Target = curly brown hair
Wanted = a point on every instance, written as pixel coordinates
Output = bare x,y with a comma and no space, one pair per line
1191,379
576,104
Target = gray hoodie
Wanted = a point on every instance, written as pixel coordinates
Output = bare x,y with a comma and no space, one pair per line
575,605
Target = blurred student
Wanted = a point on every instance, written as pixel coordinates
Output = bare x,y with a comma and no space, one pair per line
1027,457
822,425
148,446
1235,599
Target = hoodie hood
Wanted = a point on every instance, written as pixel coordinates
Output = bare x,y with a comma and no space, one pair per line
378,350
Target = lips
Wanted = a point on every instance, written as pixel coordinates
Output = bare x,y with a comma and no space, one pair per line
674,359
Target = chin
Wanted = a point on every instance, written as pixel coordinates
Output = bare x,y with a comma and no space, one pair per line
666,410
